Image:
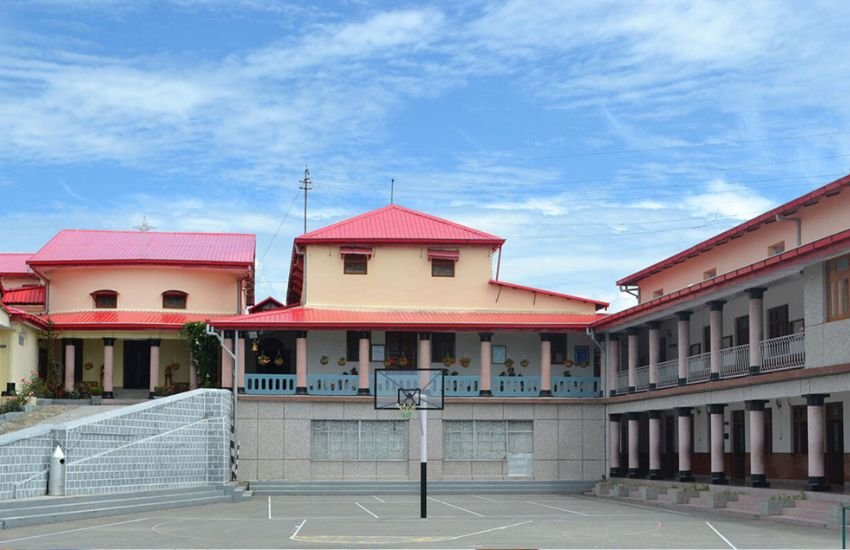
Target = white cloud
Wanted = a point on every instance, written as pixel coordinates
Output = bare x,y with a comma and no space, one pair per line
728,200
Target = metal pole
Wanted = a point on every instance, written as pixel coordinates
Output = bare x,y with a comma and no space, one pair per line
423,464
235,467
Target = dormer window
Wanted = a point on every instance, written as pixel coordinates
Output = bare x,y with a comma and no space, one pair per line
174,299
354,259
443,261
105,299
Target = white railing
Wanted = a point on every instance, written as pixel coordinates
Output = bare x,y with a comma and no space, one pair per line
642,375
699,368
668,373
785,352
622,381
735,361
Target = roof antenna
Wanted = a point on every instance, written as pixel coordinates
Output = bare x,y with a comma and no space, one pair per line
392,189
144,227
306,185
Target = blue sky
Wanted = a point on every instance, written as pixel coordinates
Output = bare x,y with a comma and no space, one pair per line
597,137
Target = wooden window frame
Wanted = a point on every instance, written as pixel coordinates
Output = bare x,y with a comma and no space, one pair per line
105,293
799,429
171,294
837,298
349,261
437,264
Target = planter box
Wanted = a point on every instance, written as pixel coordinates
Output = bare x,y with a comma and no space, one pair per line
681,496
648,493
773,507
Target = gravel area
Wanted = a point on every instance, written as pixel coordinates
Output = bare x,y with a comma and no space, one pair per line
40,414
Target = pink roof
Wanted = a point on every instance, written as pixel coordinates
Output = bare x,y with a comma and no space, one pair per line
265,305
599,305
24,296
15,264
304,318
16,314
396,224
768,217
85,247
124,320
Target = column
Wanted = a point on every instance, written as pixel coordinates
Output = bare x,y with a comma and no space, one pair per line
108,367
424,357
69,364
756,410
815,426
244,348
613,362
683,330
363,363
654,352
154,366
301,362
634,444
655,445
718,452
685,444
486,359
614,445
715,323
227,360
756,322
633,358
545,365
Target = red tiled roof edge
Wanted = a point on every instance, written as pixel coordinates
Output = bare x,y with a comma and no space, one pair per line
19,315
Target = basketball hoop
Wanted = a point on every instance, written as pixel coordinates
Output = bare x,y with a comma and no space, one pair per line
407,410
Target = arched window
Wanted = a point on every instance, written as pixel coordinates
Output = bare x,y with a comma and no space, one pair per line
174,299
105,299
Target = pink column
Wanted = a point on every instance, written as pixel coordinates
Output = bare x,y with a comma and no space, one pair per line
654,352
154,367
756,328
756,409
363,364
655,445
634,442
301,362
69,365
486,359
685,444
613,362
424,357
715,322
633,358
227,361
545,366
718,452
244,348
108,367
614,445
683,330
815,415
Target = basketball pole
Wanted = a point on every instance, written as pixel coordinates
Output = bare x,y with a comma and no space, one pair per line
423,463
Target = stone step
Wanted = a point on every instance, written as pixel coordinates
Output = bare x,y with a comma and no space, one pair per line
799,521
823,505
806,513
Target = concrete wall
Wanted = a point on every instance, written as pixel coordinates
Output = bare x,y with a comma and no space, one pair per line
275,440
18,352
826,342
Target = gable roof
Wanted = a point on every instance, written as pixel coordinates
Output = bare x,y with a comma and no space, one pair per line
265,305
396,224
87,247
15,264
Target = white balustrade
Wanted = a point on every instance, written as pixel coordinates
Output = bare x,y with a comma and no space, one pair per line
642,378
735,361
785,352
668,373
622,381
699,368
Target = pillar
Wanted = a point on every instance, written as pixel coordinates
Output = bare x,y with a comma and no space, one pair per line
718,451
486,359
154,366
424,358
715,323
614,445
633,358
683,330
685,474
244,348
655,445
756,322
613,362
108,367
815,426
545,365
69,365
227,360
363,363
654,352
756,411
634,444
301,362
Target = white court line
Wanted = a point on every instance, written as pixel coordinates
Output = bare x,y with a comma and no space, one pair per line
653,508
561,509
366,510
485,498
270,507
298,529
490,530
458,508
719,534
73,530
378,499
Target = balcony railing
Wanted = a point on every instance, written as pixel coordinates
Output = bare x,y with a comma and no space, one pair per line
622,381
576,386
515,386
668,373
270,384
642,378
785,352
699,367
735,361
462,385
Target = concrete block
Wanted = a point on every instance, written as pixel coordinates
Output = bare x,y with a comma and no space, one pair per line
460,411
570,439
592,469
296,410
519,412
593,436
359,470
488,411
545,470
297,470
393,470
270,469
546,439
270,409
570,470
328,411
545,411
270,439
570,412
327,469
296,439
457,469
486,469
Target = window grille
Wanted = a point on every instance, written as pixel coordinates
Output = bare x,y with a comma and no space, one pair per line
359,440
486,439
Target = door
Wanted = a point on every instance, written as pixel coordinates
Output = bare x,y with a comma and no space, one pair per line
137,360
777,322
835,443
742,330
669,452
738,446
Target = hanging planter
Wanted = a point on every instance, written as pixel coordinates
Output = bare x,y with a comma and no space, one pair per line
278,360
324,360
465,362
448,361
263,359
402,361
509,362
388,362
341,361
568,363
523,363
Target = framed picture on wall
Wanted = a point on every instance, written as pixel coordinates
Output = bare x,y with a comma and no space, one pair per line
582,355
797,326
727,342
377,352
694,349
500,353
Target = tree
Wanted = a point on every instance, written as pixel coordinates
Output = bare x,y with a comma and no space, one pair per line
204,353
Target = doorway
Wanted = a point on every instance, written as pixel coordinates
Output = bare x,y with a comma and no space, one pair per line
835,443
738,446
137,360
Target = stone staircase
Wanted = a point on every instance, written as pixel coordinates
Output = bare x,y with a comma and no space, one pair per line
412,487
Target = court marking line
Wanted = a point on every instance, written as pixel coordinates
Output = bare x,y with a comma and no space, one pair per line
557,508
73,530
366,510
491,530
485,498
270,507
298,530
458,507
378,499
719,534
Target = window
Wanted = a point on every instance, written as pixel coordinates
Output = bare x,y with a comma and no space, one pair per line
799,430
558,348
742,330
709,274
777,322
174,299
442,268
358,439
775,249
838,288
105,299
442,345
486,439
352,344
354,264
658,293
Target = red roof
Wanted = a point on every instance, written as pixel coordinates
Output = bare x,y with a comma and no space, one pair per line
266,305
599,305
16,314
396,224
124,320
768,217
304,318
85,247
15,264
26,296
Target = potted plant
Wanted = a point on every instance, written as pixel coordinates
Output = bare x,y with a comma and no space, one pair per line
509,363
402,361
464,362
341,361
448,361
324,360
263,359
388,362
278,360
568,363
523,363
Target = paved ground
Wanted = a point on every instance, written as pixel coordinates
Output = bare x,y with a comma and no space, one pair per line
457,521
